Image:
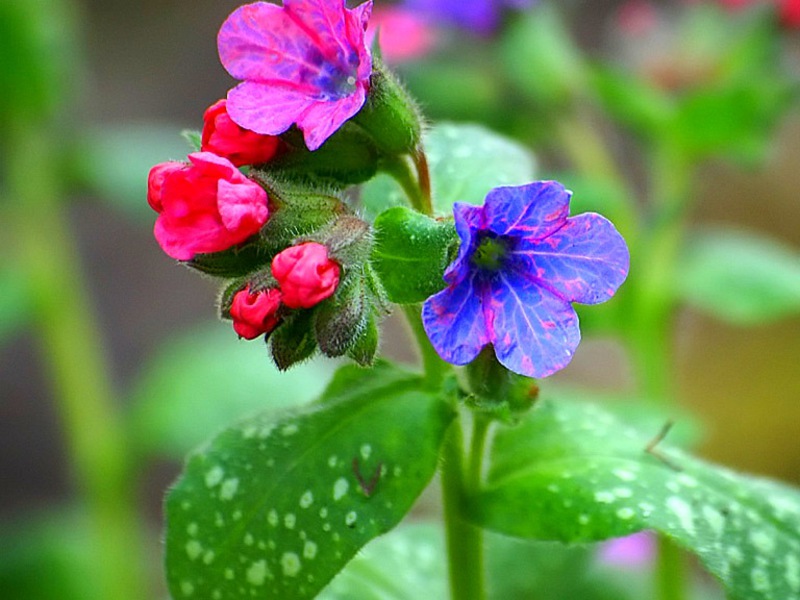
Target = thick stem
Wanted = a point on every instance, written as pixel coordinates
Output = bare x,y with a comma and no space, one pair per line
72,351
459,477
464,541
671,569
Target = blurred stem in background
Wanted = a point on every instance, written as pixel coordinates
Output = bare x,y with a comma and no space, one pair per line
63,320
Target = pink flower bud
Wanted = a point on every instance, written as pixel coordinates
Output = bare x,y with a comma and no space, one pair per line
206,206
255,314
225,138
306,275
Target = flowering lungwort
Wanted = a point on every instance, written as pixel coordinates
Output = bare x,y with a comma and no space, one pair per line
303,63
522,261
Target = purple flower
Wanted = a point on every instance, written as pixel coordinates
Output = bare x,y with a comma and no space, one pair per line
481,16
305,62
521,262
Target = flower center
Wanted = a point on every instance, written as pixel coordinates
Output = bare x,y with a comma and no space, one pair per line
333,80
490,253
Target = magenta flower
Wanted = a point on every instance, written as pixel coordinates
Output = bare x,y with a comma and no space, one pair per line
303,63
522,261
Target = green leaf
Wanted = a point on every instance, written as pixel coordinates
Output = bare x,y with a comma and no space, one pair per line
114,161
275,506
410,254
406,564
196,384
582,475
740,277
465,161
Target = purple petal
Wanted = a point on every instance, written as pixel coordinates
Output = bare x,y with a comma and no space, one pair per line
534,331
469,220
266,109
532,211
584,261
323,118
454,322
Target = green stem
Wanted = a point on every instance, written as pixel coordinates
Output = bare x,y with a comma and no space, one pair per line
416,187
671,569
464,541
72,351
433,366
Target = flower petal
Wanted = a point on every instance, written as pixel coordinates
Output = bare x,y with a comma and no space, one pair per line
454,322
534,331
266,109
469,220
584,261
532,211
261,42
321,119
325,21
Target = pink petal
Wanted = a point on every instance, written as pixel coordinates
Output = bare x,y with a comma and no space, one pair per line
242,207
262,42
266,109
323,118
325,21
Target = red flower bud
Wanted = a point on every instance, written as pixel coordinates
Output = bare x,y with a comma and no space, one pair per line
306,275
789,14
206,206
254,314
155,181
225,138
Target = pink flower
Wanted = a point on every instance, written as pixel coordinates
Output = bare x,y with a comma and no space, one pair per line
634,551
306,275
206,206
303,63
402,34
255,314
225,138
789,13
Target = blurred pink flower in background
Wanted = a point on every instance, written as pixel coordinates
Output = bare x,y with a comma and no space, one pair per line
633,551
403,34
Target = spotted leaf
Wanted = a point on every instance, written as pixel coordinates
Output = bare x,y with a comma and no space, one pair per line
584,476
275,506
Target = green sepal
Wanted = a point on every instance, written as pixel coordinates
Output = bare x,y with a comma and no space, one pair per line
348,239
365,346
390,116
293,341
348,157
496,391
338,322
234,262
411,253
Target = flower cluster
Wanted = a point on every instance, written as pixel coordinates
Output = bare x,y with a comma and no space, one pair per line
297,260
292,252
522,261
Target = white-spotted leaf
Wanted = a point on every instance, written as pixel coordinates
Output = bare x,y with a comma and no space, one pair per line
275,506
574,473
